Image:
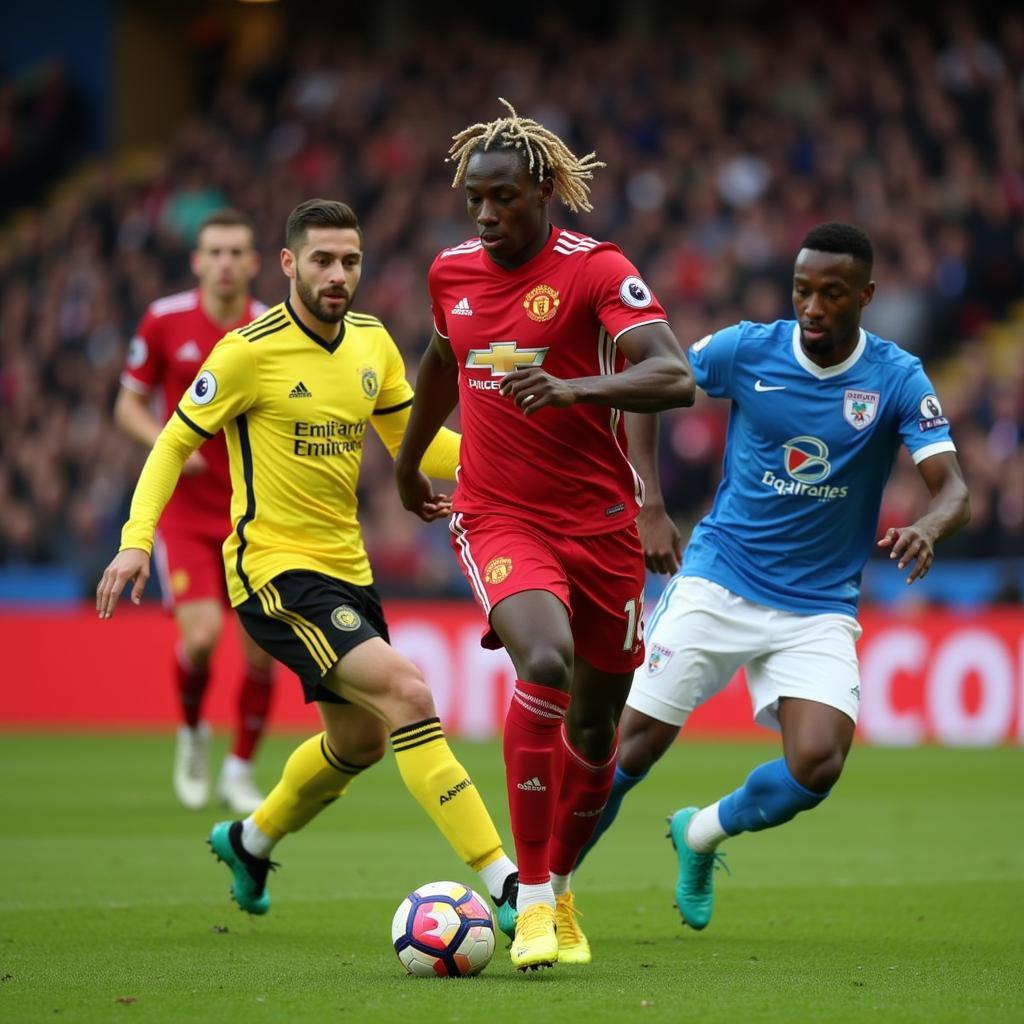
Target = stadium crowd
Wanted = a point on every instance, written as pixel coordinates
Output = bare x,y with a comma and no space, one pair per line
724,144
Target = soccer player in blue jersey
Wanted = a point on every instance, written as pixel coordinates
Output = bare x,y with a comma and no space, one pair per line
771,575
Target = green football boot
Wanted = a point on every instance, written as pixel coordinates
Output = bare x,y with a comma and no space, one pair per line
249,888
694,892
505,906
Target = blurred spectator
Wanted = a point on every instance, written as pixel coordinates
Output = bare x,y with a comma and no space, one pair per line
724,144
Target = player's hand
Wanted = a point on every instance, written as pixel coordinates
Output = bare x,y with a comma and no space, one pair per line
194,465
910,545
128,566
417,494
663,546
532,389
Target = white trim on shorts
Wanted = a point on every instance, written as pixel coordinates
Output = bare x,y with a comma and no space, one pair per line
701,634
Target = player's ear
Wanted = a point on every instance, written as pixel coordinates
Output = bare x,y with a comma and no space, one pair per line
867,294
547,190
288,263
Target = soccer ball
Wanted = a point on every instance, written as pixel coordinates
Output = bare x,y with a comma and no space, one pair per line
443,930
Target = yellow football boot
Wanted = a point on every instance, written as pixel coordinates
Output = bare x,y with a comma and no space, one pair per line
535,944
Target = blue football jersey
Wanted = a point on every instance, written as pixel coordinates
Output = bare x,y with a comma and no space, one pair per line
807,456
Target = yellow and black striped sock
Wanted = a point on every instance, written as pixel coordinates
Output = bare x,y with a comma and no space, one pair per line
443,788
313,777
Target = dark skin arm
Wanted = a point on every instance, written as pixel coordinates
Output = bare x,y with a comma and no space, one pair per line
437,394
663,548
948,510
659,378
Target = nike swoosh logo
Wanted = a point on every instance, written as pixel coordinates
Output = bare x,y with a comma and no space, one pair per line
758,386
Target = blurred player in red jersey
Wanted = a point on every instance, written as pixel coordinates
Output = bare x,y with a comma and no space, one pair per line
545,337
172,341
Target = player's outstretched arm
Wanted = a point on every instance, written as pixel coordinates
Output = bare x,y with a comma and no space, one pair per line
663,548
132,414
659,378
437,394
128,566
947,512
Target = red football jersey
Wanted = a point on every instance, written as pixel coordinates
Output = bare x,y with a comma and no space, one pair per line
171,343
563,469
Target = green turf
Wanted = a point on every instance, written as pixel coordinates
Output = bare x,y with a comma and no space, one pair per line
900,899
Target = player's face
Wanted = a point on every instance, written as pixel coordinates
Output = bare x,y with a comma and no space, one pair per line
508,205
325,271
829,291
225,261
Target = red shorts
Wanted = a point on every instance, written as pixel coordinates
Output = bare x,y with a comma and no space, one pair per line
190,567
599,579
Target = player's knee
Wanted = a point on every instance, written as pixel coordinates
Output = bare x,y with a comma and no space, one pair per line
363,750
642,741
199,644
412,696
547,665
817,768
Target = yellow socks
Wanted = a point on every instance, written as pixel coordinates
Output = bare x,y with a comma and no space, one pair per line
313,777
445,791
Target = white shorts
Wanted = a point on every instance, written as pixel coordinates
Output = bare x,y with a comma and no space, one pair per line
700,634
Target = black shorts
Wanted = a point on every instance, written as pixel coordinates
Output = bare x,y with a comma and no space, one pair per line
308,621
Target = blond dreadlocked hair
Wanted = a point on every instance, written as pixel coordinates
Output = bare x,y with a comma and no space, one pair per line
546,154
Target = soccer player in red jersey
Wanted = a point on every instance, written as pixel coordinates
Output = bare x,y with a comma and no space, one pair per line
172,341
545,337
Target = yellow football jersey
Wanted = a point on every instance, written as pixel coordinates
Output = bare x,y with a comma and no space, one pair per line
294,411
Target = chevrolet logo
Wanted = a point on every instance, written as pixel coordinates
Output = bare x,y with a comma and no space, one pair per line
502,357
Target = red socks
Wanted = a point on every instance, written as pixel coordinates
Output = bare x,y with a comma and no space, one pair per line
585,789
534,755
191,682
253,709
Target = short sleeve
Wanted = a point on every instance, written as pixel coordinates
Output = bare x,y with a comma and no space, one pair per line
712,359
440,321
621,298
143,364
395,390
923,427
224,388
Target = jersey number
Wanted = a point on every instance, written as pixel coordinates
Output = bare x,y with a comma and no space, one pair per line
634,609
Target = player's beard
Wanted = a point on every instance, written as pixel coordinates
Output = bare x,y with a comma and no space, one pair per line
312,301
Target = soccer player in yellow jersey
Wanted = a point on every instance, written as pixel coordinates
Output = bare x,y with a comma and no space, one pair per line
293,392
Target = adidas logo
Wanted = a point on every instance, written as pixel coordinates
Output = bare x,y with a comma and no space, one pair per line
300,391
533,785
461,308
189,352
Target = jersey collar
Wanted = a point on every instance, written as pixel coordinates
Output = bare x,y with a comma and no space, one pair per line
825,372
328,346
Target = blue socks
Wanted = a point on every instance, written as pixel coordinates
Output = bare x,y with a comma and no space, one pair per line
621,785
769,797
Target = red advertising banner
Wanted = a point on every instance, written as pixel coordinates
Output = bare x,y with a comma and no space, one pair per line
928,677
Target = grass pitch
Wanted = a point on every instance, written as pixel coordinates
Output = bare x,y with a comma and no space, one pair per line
900,899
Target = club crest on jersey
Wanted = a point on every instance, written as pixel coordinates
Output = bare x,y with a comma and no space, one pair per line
371,385
501,357
497,570
541,303
859,407
345,619
658,658
806,459
204,388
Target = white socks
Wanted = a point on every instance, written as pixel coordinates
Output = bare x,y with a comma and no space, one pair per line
493,876
705,831
531,894
257,842
560,884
